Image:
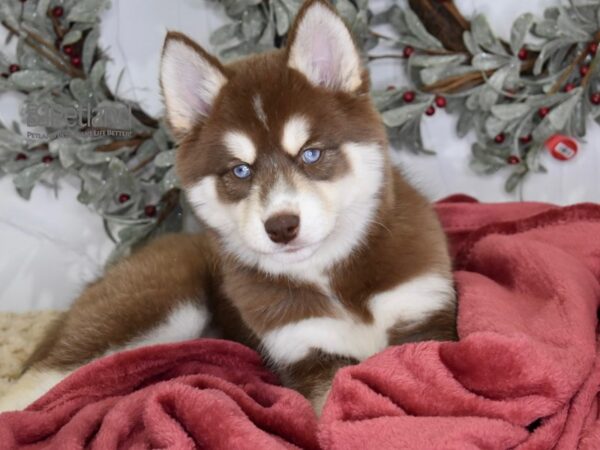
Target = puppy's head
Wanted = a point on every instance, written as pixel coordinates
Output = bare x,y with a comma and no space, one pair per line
282,154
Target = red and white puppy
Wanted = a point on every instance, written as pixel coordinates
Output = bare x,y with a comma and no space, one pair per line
317,252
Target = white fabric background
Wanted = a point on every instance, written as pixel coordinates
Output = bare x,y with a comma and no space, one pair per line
51,245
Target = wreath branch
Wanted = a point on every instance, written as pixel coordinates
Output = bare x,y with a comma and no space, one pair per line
46,50
574,64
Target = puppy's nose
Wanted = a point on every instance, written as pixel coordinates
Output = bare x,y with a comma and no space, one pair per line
282,228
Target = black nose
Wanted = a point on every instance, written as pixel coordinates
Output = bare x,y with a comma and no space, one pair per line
282,228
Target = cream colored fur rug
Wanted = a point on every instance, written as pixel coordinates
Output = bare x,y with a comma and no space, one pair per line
19,334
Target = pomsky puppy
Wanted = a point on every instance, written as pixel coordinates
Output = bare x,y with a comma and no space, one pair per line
318,253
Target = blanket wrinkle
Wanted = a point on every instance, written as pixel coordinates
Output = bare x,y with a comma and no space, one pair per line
524,375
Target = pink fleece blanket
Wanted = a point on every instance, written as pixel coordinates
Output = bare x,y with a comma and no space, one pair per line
525,374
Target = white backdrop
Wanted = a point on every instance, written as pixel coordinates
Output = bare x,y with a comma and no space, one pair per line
51,246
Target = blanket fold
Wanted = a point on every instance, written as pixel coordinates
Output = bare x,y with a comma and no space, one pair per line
525,373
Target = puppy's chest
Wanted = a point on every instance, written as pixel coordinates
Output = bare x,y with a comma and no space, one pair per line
323,321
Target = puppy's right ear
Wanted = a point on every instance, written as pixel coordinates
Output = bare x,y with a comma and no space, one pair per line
190,79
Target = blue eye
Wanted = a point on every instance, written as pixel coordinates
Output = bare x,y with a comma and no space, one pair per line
242,171
311,155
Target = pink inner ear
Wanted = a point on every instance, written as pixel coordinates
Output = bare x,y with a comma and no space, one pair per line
195,85
324,60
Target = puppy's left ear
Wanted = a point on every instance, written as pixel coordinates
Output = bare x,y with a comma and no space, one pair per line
322,49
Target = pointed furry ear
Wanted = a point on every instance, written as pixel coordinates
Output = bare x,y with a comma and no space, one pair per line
190,79
322,49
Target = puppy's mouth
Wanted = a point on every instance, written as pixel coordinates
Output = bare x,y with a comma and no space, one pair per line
295,252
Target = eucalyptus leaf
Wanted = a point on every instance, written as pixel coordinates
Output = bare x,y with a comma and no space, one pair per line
71,37
169,181
398,116
514,180
470,43
11,141
519,31
560,115
8,15
282,18
483,36
29,176
28,80
494,126
253,22
546,53
86,11
465,123
510,111
417,28
487,61
89,49
165,159
546,29
570,28
225,33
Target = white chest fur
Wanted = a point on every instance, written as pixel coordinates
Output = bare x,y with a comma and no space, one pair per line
345,335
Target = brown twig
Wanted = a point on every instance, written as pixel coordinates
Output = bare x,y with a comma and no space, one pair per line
386,56
455,83
58,29
116,145
458,82
587,77
170,199
381,36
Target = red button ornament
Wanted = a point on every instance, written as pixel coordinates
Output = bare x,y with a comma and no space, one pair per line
562,147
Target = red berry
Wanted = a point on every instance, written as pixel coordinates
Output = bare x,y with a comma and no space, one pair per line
5,75
14,68
440,101
58,11
543,111
499,139
526,139
124,198
513,159
595,98
430,111
408,96
593,48
150,210
76,61
523,54
68,49
408,51
584,70
21,157
47,159
391,88
569,87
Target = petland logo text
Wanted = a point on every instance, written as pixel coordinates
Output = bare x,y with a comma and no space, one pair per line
101,120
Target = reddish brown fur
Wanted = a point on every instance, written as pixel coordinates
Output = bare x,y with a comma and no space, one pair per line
404,241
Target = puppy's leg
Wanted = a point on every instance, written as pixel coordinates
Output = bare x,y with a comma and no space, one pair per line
156,295
313,375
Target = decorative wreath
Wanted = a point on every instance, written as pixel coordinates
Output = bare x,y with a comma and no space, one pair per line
520,99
